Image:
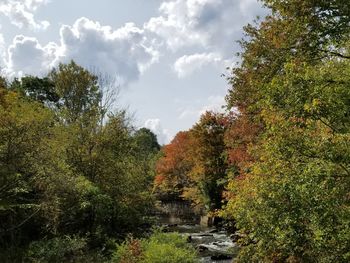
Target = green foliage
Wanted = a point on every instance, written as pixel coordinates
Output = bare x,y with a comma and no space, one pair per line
146,141
292,198
65,173
58,249
209,171
158,248
294,206
23,129
78,90
39,89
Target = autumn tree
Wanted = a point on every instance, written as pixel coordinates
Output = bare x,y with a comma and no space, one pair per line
208,175
194,165
292,84
172,169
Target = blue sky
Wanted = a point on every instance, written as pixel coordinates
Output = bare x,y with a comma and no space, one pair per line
168,55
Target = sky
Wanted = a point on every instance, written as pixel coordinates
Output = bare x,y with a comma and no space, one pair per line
168,56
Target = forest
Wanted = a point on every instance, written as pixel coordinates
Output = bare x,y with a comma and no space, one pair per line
79,181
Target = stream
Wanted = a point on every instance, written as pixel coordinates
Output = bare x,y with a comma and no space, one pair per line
212,245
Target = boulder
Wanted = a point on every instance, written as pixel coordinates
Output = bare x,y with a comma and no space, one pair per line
236,237
202,248
220,257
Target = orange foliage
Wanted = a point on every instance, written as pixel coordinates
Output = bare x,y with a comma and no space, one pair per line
171,169
240,135
159,179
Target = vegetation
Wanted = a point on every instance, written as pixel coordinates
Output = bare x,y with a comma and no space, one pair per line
158,248
194,162
76,179
292,199
70,182
284,154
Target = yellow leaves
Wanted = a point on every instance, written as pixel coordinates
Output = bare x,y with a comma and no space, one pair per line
316,103
314,106
7,98
271,116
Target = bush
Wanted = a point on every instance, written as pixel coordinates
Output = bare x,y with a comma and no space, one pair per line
130,251
59,249
159,248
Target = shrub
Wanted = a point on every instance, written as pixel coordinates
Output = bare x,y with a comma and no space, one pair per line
59,249
159,248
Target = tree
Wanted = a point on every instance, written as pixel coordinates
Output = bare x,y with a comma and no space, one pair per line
173,167
146,141
78,90
24,128
39,89
194,165
208,175
70,182
3,89
293,85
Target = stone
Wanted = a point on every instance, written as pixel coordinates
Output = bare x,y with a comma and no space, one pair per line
220,257
236,237
202,248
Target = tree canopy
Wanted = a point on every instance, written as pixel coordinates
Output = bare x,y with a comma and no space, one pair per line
66,181
291,198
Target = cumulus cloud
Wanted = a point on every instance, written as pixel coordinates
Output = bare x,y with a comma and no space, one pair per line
210,26
2,54
123,52
188,64
155,126
203,22
27,56
21,13
34,4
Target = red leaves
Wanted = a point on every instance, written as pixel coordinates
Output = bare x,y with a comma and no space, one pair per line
171,169
241,134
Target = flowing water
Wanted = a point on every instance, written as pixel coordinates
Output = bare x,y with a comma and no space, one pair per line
211,244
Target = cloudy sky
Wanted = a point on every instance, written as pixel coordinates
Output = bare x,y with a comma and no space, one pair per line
168,55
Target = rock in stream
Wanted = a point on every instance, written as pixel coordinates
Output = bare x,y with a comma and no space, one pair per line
211,244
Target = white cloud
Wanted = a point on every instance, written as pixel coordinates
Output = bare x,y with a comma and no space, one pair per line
123,52
154,125
212,103
21,13
34,4
27,56
188,64
210,26
213,24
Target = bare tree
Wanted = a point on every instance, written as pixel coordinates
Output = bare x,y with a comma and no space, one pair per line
110,90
